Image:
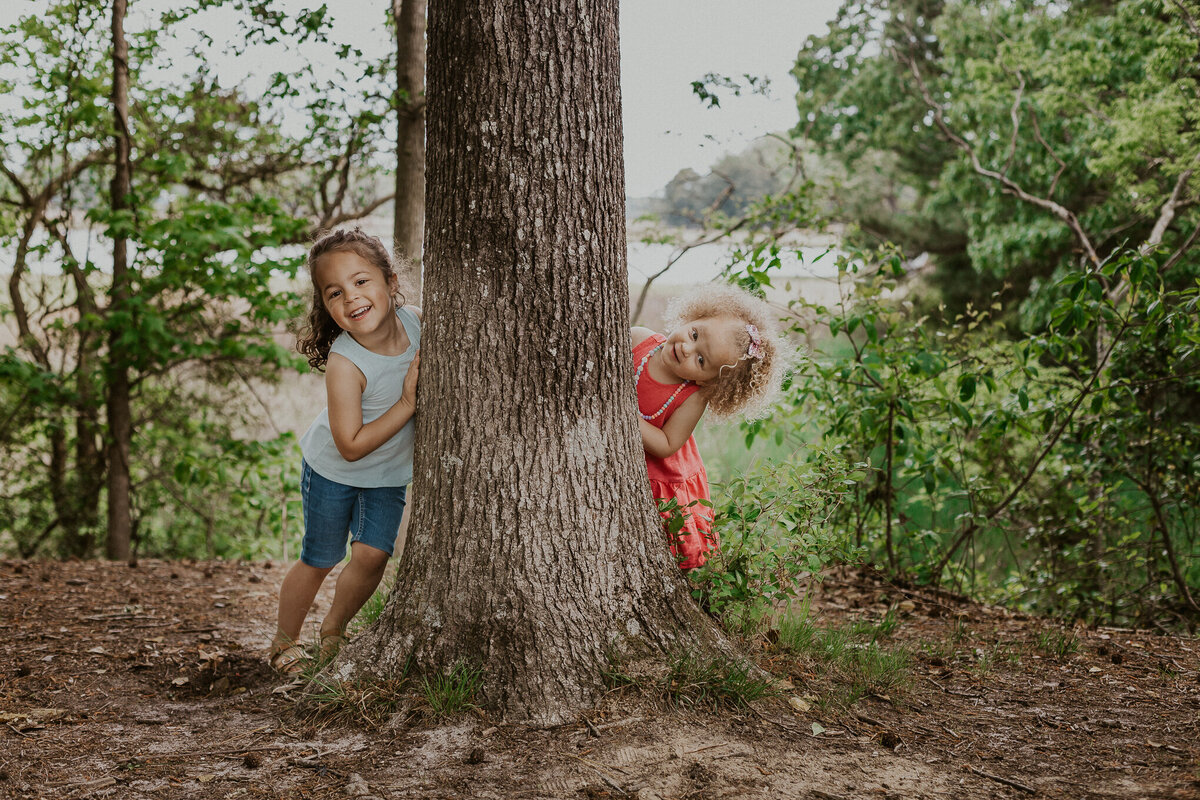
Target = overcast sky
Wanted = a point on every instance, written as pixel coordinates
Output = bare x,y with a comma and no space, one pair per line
667,44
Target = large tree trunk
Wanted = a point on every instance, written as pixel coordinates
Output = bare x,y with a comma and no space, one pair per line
120,425
408,224
534,550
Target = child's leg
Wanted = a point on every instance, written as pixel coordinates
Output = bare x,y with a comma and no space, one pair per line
355,585
328,510
296,596
377,517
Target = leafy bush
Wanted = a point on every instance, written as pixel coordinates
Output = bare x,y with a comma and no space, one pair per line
774,525
1035,469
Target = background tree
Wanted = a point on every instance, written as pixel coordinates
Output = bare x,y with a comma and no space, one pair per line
211,191
535,553
409,217
120,422
1046,157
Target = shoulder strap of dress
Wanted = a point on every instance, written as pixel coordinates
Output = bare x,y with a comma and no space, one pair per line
648,344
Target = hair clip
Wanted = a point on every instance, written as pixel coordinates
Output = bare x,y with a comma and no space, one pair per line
755,349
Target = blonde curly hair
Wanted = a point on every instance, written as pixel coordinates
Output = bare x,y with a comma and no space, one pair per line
748,388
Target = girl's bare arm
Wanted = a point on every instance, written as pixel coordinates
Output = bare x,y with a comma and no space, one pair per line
344,385
666,441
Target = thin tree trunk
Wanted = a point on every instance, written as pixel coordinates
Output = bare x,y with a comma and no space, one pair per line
118,402
534,551
408,224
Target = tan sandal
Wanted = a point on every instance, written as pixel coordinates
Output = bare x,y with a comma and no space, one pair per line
287,659
331,645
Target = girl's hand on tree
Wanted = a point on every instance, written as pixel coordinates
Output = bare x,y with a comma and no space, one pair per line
409,394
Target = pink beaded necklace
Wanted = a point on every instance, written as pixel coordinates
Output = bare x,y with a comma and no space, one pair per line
637,377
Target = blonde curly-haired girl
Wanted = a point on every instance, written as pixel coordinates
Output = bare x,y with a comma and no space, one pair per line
723,354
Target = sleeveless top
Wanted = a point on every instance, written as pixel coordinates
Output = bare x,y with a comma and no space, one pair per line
390,464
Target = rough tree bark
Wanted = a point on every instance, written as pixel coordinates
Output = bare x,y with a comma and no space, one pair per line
534,551
120,419
408,223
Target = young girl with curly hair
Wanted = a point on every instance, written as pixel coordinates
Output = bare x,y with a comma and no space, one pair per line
723,354
358,453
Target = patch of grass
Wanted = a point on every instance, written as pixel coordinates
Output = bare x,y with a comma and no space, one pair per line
614,674
366,701
871,670
1057,644
877,630
797,633
371,609
851,657
714,683
453,691
939,651
984,661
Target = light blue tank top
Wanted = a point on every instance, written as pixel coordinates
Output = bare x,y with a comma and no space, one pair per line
391,463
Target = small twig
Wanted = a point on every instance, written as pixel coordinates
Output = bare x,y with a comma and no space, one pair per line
591,727
203,753
609,781
1005,781
595,764
618,723
313,764
952,691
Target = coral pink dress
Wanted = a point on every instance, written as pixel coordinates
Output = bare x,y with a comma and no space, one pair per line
680,475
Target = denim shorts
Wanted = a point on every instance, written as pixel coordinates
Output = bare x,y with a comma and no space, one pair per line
332,510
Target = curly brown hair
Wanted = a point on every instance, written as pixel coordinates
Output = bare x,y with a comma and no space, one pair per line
747,388
319,331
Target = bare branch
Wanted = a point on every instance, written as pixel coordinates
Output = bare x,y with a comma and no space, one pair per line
678,254
1183,248
1166,214
1188,19
334,221
1015,114
346,161
26,195
1062,165
1058,210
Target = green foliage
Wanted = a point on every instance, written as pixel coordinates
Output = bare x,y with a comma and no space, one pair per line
853,656
936,112
222,195
763,174
1014,468
693,681
454,691
1058,644
774,526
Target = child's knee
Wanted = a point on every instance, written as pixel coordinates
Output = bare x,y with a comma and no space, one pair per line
369,558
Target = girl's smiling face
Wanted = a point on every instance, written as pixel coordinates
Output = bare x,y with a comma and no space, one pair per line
698,349
355,292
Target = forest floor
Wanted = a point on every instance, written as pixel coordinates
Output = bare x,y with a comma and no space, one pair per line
149,682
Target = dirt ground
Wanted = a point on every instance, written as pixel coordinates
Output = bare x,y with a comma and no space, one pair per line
149,682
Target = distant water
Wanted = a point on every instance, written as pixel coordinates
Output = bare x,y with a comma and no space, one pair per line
697,265
706,262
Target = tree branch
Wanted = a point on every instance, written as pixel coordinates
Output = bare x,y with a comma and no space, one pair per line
1031,470
1058,210
1015,115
